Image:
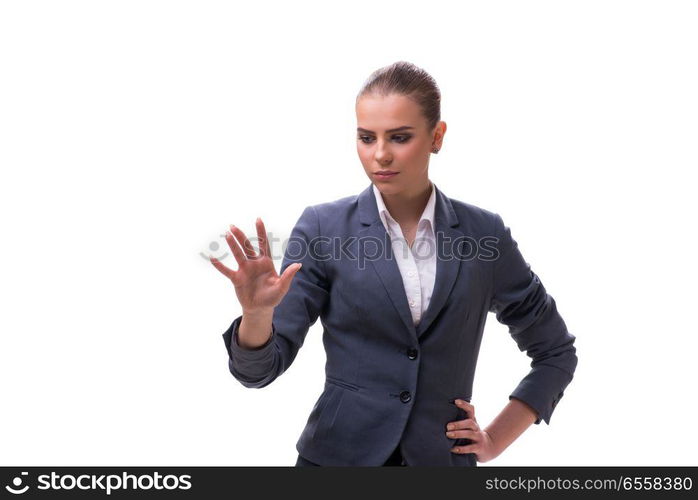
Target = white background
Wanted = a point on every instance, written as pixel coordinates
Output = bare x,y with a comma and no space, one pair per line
132,133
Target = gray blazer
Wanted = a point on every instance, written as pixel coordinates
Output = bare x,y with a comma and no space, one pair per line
387,382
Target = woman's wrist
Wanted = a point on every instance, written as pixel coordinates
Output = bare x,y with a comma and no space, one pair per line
255,328
260,313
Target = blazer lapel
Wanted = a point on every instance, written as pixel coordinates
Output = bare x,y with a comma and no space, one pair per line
384,263
387,268
447,262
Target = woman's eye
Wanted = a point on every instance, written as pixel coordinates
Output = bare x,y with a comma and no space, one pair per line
398,138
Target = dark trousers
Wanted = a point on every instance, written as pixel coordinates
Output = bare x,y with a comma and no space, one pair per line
394,460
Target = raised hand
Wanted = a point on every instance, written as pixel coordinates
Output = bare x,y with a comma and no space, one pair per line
258,286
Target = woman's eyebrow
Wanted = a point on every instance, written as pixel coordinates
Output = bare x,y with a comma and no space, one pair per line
404,127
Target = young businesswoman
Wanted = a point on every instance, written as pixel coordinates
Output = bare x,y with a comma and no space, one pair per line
402,278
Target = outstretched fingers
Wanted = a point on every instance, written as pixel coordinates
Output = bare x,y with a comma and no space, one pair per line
264,247
244,242
226,271
235,248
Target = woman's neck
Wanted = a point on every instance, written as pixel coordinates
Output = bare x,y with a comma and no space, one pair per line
406,208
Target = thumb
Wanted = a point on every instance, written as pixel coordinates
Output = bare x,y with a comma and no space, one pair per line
289,273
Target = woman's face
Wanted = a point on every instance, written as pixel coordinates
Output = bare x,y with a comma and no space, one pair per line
405,151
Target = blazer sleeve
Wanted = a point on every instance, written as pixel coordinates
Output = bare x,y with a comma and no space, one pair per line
292,317
521,302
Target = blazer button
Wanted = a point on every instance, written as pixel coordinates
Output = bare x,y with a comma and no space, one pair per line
405,396
412,353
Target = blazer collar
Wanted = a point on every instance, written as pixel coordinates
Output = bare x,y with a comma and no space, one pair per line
368,208
427,213
447,266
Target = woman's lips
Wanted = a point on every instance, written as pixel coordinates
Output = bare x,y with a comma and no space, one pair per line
385,176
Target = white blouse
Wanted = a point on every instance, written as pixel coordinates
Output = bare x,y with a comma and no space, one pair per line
417,264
